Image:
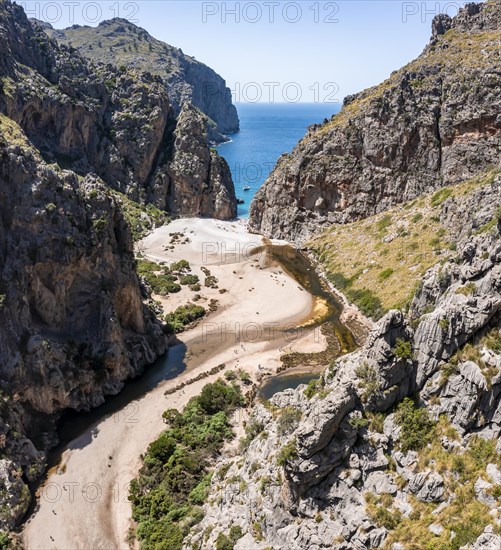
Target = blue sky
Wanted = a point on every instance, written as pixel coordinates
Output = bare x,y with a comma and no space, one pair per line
277,51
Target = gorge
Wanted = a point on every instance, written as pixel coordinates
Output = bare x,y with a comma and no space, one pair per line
120,257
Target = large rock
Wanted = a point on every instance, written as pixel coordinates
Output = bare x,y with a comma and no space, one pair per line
199,180
417,131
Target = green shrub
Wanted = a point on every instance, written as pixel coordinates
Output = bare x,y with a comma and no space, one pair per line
369,381
467,290
440,196
287,453
5,540
417,217
416,426
175,478
368,303
182,266
252,430
339,280
189,280
158,277
288,420
183,316
386,273
313,387
403,349
384,222
492,340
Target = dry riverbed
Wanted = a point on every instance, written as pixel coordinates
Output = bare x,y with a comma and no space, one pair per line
84,502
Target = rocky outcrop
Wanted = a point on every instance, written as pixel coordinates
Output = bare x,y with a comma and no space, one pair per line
72,311
434,122
359,465
114,122
122,43
198,181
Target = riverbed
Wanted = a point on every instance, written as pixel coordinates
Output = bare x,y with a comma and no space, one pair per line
269,307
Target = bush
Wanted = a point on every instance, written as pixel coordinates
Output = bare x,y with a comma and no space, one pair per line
182,266
287,453
440,196
189,280
313,387
159,278
369,381
252,430
368,303
386,273
416,426
288,420
5,540
220,396
403,349
384,222
183,316
174,478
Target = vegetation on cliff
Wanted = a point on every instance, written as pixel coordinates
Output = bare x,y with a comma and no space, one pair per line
379,262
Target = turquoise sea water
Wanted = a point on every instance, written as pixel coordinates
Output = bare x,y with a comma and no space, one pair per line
267,131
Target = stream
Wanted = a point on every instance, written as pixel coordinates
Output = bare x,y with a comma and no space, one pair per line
189,354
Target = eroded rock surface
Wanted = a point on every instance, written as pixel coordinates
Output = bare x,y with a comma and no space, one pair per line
434,122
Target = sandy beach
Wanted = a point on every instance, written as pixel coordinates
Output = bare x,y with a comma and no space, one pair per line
84,504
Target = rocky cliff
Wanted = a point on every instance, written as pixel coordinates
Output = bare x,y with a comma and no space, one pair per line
434,122
74,326
398,446
114,122
121,43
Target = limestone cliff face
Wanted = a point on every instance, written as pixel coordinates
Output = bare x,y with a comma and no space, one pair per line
74,326
122,43
197,176
116,123
72,313
349,468
434,122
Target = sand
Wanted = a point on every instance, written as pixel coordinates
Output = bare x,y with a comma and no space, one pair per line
83,504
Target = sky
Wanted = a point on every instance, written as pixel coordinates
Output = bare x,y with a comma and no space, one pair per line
275,51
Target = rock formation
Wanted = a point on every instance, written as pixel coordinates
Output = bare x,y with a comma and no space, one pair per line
122,43
74,326
434,122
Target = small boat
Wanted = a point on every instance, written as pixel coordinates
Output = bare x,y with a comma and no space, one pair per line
247,188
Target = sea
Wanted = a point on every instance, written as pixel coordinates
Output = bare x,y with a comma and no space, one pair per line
267,130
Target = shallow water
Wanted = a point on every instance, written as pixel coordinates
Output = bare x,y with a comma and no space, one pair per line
283,382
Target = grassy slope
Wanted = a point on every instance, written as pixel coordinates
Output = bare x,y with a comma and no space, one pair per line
134,47
388,253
